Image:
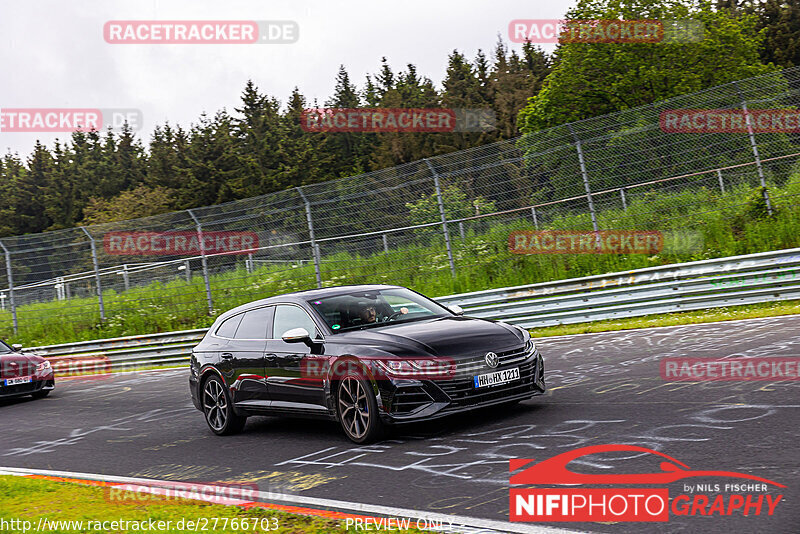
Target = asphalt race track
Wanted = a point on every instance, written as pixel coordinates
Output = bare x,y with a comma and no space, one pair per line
603,389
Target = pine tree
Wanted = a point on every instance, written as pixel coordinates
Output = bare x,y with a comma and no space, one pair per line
11,170
259,138
780,21
29,211
410,91
304,161
59,191
129,161
350,151
212,162
514,80
385,78
463,90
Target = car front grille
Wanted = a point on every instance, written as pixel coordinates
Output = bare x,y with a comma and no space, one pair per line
463,393
477,364
20,389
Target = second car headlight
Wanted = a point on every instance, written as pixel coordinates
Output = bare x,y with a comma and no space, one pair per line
43,366
530,346
417,368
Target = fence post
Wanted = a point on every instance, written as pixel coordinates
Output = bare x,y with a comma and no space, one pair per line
10,288
59,286
461,230
721,183
535,219
624,200
96,274
754,146
585,179
248,263
203,260
125,278
443,217
187,268
314,247
385,243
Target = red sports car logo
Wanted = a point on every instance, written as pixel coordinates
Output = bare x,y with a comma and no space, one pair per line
554,470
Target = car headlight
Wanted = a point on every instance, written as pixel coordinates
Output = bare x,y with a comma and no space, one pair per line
421,368
43,366
530,346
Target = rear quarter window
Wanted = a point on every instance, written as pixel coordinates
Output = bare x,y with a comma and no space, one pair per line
228,327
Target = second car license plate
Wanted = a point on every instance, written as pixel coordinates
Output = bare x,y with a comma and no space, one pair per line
18,380
497,378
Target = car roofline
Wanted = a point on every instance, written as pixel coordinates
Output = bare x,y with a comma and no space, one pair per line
298,297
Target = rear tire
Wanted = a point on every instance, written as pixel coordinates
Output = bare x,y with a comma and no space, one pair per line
218,409
358,410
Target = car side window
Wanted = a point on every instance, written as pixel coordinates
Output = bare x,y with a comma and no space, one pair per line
229,326
288,317
254,324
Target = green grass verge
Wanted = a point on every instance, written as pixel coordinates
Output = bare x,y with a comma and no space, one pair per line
31,499
698,223
731,313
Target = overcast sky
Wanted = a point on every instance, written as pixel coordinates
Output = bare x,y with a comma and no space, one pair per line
54,55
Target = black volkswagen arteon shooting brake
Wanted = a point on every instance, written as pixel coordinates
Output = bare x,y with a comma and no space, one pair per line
366,356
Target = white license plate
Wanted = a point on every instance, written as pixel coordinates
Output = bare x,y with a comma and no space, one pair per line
497,378
18,380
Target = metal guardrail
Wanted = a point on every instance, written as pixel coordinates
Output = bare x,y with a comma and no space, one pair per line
103,355
730,281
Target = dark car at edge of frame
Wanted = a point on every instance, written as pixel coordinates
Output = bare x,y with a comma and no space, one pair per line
24,374
368,356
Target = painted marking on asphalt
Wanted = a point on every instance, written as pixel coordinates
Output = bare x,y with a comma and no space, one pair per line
175,443
286,480
331,509
292,481
128,423
182,472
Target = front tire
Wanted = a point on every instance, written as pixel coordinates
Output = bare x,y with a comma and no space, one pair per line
358,410
218,409
42,393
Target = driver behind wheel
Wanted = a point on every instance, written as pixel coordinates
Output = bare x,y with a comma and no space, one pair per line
368,314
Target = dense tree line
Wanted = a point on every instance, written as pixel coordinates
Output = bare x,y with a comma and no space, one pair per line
257,148
260,146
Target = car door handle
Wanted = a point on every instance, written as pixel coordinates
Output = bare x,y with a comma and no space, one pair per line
227,356
271,357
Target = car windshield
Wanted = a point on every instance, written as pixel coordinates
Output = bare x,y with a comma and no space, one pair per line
367,309
4,349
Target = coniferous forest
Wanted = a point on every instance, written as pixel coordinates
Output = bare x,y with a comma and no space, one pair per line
258,146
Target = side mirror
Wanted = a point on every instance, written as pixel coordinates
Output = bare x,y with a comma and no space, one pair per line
296,335
17,347
455,308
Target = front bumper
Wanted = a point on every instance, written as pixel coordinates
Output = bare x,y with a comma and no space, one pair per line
39,383
416,400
